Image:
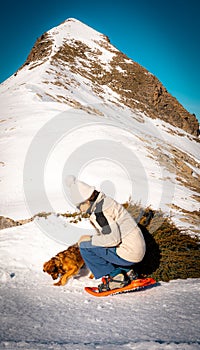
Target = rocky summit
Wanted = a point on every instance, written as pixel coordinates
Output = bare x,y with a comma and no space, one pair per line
73,49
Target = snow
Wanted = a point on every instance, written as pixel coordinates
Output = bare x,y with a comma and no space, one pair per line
112,148
37,315
40,316
190,148
107,151
74,30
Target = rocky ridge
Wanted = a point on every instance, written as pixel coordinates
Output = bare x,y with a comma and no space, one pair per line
133,86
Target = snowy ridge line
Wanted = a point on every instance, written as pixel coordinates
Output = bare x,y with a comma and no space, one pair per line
6,222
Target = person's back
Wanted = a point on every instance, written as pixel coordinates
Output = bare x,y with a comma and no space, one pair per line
131,246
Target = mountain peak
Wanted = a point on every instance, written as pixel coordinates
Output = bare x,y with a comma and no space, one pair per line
69,31
73,54
73,28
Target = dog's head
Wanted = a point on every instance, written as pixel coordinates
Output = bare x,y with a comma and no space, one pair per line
53,267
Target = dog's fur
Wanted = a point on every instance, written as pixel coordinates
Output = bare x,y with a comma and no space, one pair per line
64,265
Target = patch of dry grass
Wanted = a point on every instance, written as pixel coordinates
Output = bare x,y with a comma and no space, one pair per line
170,253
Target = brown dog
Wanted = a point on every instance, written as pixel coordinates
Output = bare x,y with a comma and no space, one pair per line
64,265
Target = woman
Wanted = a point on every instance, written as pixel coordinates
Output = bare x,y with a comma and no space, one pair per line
118,243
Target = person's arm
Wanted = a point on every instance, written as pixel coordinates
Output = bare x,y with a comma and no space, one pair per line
108,232
84,238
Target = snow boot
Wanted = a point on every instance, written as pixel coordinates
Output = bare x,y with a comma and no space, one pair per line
132,275
109,283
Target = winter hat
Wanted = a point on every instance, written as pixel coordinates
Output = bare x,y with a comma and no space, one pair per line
79,191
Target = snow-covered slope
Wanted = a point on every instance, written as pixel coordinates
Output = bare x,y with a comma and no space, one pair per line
56,119
36,315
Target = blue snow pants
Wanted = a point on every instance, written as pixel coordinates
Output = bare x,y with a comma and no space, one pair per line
102,261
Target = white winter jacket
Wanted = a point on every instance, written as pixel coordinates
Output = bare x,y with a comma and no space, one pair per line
115,227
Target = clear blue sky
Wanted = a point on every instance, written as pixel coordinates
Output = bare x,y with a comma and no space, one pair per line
163,36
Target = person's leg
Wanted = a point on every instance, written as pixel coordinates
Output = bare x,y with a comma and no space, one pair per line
102,261
95,259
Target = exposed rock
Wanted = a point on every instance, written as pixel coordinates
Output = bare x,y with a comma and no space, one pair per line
136,87
7,222
40,51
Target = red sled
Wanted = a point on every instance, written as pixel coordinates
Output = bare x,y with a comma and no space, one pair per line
134,285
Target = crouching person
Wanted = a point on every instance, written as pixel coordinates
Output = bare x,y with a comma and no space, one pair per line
118,243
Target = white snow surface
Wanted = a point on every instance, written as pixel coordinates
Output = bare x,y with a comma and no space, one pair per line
37,315
105,144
